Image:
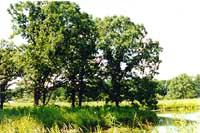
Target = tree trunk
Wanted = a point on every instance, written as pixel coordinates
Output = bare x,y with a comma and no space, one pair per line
81,92
1,104
81,86
73,90
2,96
36,96
73,97
80,97
117,103
44,95
2,99
116,91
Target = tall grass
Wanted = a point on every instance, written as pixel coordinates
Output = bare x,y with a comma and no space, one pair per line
55,118
29,125
21,125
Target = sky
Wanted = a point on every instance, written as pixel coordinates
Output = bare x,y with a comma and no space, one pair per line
174,23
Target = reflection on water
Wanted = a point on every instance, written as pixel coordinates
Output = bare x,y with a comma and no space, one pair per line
177,129
165,129
193,116
178,123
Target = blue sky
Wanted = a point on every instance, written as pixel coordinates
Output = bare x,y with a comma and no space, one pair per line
174,23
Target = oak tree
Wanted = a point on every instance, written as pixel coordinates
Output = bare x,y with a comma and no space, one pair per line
127,52
8,68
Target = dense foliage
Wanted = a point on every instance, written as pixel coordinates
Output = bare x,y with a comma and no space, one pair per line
182,87
8,69
127,53
101,59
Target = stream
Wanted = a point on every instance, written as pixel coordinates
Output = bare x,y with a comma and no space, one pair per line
175,122
169,122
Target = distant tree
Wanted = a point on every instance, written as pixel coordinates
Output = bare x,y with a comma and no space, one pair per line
181,87
8,68
197,84
127,52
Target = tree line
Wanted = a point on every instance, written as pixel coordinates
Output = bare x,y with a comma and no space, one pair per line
180,87
89,57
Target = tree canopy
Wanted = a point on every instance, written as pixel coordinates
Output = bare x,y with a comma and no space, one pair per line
181,87
88,57
127,52
8,68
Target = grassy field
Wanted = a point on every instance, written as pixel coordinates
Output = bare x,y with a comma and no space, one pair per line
60,119
179,104
25,103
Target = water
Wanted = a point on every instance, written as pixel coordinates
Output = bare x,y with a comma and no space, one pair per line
178,123
173,122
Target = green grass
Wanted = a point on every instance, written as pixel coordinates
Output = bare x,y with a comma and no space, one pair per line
87,118
60,117
179,104
23,103
175,104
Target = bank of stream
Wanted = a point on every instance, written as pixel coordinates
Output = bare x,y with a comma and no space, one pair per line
169,122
